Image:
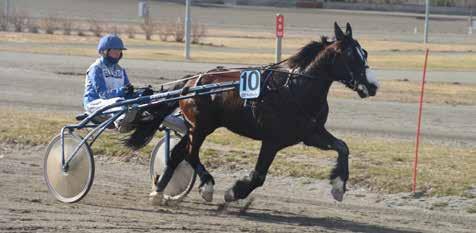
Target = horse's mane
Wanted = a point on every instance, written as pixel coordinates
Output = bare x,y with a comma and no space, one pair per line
307,54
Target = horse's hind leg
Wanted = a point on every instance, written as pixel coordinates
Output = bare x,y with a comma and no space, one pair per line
176,157
243,187
324,140
206,179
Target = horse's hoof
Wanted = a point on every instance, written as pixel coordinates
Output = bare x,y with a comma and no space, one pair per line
337,195
230,195
154,182
156,198
337,189
206,191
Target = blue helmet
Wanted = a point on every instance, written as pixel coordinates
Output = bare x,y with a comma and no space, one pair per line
110,41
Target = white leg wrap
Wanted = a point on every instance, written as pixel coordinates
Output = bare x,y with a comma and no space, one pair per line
206,191
156,198
337,189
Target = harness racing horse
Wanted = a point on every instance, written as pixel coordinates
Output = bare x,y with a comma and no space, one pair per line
292,108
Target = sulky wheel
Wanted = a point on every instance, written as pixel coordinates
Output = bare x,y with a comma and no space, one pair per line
73,184
184,175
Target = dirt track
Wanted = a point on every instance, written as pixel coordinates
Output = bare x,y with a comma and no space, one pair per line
118,202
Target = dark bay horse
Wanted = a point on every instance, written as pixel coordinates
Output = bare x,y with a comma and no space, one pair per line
292,108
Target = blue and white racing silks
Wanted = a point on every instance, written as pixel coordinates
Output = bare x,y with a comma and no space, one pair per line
104,85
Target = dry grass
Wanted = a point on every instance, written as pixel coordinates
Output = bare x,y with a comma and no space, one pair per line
409,92
383,54
383,165
38,128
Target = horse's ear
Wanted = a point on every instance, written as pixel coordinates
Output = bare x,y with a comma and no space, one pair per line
348,30
338,32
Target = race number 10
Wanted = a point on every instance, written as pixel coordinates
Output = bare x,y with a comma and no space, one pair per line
250,81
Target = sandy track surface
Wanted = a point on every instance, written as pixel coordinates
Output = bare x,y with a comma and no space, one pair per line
118,202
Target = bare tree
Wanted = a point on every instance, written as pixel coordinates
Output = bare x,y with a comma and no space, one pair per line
114,29
95,27
148,27
3,22
19,21
179,30
131,31
81,33
198,32
67,25
49,24
33,26
165,30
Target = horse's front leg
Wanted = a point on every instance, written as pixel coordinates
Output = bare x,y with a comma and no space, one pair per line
244,186
324,140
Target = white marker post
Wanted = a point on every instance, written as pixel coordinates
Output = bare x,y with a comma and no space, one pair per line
279,35
427,19
6,9
188,24
142,8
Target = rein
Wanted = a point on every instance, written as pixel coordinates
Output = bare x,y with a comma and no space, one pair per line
271,68
232,69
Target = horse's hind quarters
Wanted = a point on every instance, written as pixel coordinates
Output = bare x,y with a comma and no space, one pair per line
206,191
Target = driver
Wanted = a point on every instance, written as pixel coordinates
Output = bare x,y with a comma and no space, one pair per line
107,82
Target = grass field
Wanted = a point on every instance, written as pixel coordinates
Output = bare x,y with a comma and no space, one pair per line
380,164
382,54
409,91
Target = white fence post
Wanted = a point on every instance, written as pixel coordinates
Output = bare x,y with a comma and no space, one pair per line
427,14
188,24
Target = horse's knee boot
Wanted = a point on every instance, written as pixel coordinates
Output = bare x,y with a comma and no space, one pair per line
245,186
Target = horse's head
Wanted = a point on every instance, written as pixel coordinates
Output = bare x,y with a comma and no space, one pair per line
349,64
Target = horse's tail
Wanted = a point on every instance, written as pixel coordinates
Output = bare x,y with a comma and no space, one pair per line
144,133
